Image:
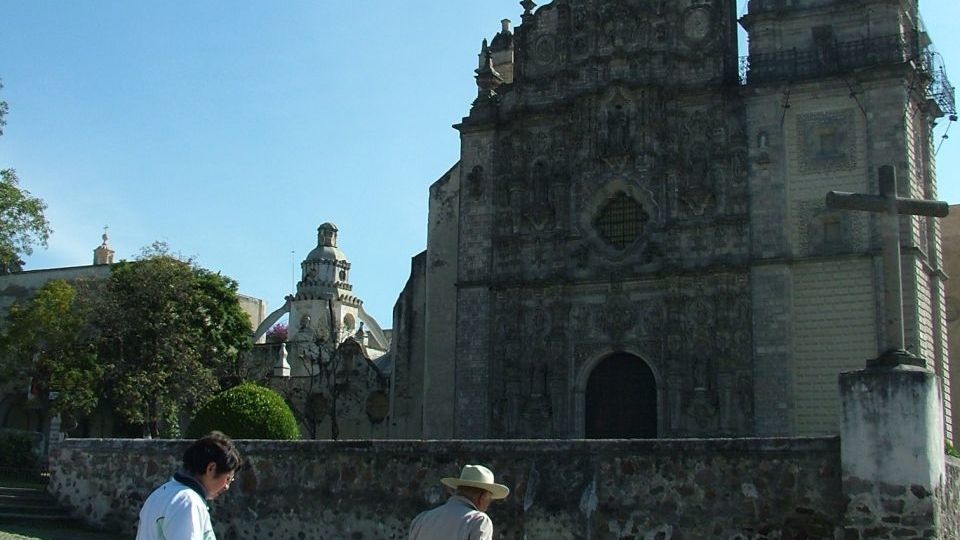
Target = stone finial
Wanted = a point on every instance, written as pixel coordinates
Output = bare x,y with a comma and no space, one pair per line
484,53
528,6
487,77
282,368
505,26
103,254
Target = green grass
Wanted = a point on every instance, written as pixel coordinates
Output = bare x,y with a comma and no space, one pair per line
53,532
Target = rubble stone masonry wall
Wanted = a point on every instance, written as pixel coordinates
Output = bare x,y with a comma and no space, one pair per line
949,508
665,489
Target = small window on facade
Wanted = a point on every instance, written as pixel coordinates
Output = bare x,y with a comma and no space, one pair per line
620,222
829,144
832,230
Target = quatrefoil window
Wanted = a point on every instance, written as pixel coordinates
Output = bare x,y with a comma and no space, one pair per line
620,221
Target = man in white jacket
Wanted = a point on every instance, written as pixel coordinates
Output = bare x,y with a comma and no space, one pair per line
178,509
463,517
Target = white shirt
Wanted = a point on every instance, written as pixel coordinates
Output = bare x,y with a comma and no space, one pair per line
175,512
458,519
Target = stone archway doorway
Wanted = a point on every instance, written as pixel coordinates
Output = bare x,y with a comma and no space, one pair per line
621,399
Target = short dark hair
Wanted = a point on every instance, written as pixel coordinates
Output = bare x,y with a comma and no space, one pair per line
215,448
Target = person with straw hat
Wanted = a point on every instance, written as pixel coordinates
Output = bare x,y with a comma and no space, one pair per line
463,517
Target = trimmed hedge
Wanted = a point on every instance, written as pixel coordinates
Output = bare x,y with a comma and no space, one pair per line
247,411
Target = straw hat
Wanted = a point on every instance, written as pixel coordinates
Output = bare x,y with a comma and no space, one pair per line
477,476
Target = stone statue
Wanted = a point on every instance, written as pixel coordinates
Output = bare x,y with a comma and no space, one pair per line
618,131
700,373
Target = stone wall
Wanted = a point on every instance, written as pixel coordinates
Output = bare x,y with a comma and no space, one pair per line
723,488
949,509
20,286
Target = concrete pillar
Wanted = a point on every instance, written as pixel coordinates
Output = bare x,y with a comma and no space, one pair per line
892,451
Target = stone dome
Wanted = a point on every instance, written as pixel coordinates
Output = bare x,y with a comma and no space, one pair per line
325,253
326,249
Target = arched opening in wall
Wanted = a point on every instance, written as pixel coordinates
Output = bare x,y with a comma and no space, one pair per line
621,399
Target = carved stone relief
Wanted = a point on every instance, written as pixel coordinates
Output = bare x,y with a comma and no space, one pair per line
710,145
708,346
617,132
619,314
827,142
674,163
634,40
824,232
529,370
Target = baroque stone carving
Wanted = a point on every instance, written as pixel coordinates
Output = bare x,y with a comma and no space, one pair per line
600,173
638,41
826,141
619,315
822,232
697,24
620,222
617,134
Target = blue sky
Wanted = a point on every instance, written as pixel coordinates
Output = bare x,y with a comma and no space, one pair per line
231,130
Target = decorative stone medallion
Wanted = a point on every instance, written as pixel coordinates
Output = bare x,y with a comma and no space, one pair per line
545,50
697,24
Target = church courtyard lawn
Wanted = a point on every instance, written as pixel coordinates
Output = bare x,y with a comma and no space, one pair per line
51,532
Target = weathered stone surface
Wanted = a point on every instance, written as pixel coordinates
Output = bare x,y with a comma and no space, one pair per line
561,489
620,194
949,500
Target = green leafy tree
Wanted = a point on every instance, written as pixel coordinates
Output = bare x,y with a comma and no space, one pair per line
22,222
170,331
3,111
221,323
49,343
247,411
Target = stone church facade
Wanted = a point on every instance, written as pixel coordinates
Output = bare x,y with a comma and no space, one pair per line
634,242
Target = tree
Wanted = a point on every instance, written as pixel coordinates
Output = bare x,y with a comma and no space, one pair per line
48,344
170,331
22,223
3,111
277,333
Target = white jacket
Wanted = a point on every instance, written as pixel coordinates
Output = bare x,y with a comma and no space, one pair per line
174,511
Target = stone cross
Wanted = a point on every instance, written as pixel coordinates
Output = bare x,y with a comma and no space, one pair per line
890,206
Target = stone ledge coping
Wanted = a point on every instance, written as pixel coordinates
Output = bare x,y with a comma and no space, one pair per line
673,447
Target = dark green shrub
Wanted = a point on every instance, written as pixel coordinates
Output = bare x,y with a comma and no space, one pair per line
247,411
16,450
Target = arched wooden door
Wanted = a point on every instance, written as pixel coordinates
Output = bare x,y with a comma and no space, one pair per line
621,399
